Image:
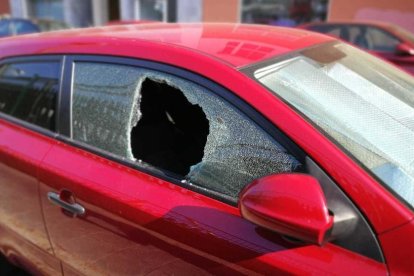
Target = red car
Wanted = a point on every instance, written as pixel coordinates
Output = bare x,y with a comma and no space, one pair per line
388,41
203,149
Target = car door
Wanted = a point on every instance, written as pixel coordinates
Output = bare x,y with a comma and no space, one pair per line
28,99
146,180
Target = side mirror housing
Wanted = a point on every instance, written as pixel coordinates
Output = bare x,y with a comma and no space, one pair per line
290,204
403,49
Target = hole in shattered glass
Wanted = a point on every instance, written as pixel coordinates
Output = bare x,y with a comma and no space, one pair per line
172,132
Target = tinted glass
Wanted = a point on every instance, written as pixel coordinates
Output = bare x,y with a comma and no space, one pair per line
159,120
28,91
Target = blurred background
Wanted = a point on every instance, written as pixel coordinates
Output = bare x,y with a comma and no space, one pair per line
56,14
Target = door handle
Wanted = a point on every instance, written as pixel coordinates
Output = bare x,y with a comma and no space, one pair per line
73,208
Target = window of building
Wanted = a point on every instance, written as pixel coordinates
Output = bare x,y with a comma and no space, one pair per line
163,121
49,9
283,12
28,91
156,10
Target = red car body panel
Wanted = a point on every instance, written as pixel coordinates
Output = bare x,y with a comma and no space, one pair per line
134,219
396,255
130,213
22,230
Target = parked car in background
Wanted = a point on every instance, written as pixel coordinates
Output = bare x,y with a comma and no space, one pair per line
195,149
17,26
388,41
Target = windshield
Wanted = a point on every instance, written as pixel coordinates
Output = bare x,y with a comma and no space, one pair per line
363,103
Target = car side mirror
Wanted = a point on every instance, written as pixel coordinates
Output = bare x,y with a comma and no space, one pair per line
404,49
290,204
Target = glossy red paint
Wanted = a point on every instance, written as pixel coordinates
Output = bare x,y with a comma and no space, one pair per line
22,230
275,203
134,219
404,60
398,257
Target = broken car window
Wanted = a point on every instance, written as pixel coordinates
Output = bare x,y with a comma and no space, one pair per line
172,124
217,147
105,99
172,132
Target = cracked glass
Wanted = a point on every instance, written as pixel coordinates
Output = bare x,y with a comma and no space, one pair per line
106,107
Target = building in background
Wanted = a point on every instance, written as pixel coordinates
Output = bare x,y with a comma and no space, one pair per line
270,12
4,8
75,13
283,12
82,13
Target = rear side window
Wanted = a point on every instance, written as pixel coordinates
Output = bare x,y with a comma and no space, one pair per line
169,123
28,91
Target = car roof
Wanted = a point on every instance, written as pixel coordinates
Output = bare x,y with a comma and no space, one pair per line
236,45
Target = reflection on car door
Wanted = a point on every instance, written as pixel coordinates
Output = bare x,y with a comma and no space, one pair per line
138,224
